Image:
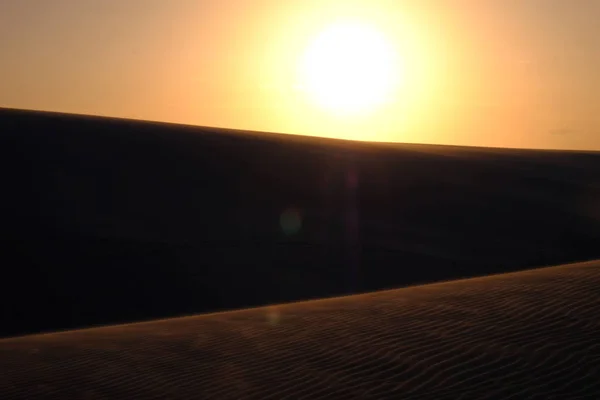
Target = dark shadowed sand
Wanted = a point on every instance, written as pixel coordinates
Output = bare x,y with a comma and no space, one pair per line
531,334
107,221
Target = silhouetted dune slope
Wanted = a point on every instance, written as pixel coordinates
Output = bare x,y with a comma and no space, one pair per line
108,220
530,334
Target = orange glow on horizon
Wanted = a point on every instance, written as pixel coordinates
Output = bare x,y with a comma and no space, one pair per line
470,72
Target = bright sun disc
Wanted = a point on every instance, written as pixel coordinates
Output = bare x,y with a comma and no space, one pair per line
349,68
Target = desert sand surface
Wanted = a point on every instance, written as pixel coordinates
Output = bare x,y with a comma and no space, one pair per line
525,335
106,221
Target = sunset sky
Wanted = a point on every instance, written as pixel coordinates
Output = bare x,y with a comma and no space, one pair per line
508,73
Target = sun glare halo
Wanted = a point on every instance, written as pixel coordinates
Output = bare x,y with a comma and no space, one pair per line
349,68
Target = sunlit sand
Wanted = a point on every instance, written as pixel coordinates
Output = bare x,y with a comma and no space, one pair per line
526,334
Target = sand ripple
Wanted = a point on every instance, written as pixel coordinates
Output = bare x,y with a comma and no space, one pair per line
532,334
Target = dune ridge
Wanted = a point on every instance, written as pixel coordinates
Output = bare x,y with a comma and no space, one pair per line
193,218
530,334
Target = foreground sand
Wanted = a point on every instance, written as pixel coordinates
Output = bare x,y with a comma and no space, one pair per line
532,334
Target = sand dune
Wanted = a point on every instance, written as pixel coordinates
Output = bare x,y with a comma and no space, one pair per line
106,221
531,334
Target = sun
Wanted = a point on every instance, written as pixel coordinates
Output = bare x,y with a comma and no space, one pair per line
349,68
